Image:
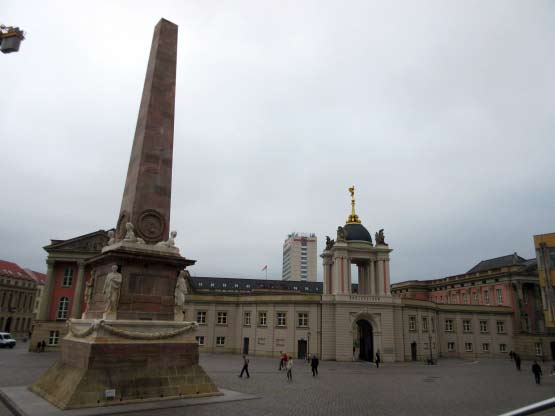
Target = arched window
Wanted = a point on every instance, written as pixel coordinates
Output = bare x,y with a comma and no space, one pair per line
63,308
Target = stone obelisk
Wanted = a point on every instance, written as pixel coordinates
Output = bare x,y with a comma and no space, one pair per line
132,343
147,196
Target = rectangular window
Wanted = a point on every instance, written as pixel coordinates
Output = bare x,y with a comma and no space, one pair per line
450,346
483,326
500,327
475,298
220,341
448,325
68,277
539,349
54,338
302,319
486,297
281,318
222,318
425,324
201,317
262,318
247,318
432,324
499,295
261,341
502,347
200,340
468,346
467,325
412,323
465,299
485,347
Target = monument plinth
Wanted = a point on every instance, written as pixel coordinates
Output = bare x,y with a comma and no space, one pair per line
132,343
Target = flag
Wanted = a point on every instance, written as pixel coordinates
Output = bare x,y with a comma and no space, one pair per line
264,268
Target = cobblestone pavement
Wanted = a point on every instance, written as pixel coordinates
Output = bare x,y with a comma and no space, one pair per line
453,387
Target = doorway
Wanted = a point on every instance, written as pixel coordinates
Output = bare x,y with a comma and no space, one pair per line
246,346
8,324
413,351
552,344
365,340
301,349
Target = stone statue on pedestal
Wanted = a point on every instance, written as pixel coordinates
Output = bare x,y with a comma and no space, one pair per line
179,295
380,238
170,242
111,291
89,291
130,235
329,243
341,234
111,238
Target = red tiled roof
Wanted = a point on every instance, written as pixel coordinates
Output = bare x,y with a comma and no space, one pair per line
9,269
39,277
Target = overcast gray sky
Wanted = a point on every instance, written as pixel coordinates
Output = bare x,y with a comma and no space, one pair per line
441,113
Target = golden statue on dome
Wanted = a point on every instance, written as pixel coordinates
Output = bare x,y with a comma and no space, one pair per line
353,218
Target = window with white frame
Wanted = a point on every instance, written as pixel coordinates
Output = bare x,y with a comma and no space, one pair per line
485,347
201,317
483,326
54,338
486,297
499,296
500,327
467,325
68,277
425,324
281,319
262,319
302,320
468,346
449,327
63,308
200,339
222,318
539,349
450,346
220,341
412,323
502,347
246,318
475,298
465,299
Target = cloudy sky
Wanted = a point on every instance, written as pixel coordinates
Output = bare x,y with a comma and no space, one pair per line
441,113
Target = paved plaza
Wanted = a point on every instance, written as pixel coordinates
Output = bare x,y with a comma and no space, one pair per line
453,387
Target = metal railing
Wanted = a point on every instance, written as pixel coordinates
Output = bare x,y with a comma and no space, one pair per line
532,408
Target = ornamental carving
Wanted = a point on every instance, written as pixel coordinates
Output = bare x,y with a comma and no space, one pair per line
151,225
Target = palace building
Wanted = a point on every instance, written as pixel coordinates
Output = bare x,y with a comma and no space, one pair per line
492,309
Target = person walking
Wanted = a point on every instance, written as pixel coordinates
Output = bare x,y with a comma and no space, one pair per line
289,367
537,370
517,361
42,345
378,359
245,368
281,362
38,346
314,362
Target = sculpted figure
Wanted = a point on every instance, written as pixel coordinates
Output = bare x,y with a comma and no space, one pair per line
111,237
130,235
170,242
340,234
89,290
179,295
329,242
380,238
111,290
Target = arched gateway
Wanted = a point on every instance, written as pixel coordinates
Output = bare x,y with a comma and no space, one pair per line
365,340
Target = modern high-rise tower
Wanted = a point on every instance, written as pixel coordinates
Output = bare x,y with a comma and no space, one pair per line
299,257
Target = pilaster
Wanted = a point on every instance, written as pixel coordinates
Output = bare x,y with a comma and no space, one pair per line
78,294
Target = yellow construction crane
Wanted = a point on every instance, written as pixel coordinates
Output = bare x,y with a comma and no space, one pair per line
10,38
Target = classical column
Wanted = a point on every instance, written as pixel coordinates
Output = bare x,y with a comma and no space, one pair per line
47,293
361,288
78,294
386,280
372,277
380,278
328,275
348,282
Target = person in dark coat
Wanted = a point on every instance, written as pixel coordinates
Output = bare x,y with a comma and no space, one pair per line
39,345
537,370
378,359
314,365
42,345
512,355
245,368
517,361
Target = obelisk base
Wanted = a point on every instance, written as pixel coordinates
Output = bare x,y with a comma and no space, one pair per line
106,363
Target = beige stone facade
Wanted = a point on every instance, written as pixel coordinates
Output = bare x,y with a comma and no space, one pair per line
300,257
